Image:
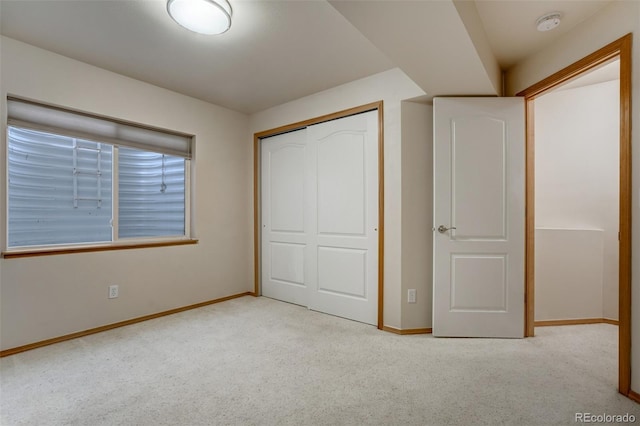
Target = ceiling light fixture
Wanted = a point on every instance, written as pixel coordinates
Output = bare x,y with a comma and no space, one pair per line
201,16
548,22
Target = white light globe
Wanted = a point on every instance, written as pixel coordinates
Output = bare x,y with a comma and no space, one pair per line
201,16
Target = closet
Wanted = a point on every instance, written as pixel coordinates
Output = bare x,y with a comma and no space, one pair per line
319,217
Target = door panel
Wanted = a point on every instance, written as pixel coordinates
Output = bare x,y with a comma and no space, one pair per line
342,272
466,271
345,237
284,223
286,186
287,263
341,183
478,158
479,194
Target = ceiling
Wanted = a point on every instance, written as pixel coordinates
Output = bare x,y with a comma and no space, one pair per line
510,25
280,50
604,73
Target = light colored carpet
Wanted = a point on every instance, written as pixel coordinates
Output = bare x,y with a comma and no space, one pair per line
256,361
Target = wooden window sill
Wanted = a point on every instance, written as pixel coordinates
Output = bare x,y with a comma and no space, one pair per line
50,251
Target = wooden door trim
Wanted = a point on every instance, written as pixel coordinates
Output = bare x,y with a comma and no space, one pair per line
530,224
257,137
621,49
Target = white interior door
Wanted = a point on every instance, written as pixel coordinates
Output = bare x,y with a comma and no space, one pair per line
320,217
345,218
285,222
479,217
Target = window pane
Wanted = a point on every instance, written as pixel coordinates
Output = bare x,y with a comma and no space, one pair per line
151,194
59,189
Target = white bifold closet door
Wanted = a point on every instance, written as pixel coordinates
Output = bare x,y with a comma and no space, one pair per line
320,217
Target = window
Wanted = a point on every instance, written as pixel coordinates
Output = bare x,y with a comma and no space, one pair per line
75,179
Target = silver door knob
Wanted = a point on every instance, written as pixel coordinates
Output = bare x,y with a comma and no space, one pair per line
442,229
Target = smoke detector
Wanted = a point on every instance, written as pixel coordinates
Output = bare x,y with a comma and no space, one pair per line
548,22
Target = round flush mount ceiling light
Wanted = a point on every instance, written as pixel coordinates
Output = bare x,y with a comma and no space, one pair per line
548,22
201,16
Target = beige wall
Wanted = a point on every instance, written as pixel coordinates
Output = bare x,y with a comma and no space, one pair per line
45,297
613,22
417,213
569,272
392,87
577,174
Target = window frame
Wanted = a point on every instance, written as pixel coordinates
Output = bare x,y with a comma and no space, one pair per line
116,242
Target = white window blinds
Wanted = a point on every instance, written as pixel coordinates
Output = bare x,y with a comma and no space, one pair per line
45,118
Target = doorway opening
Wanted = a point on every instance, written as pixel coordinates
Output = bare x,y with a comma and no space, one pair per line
620,50
577,199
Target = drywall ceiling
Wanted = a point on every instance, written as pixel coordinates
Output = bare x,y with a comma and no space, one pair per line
428,40
280,50
274,52
510,25
602,74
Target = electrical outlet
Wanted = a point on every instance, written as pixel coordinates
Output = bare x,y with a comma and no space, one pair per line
113,291
411,295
